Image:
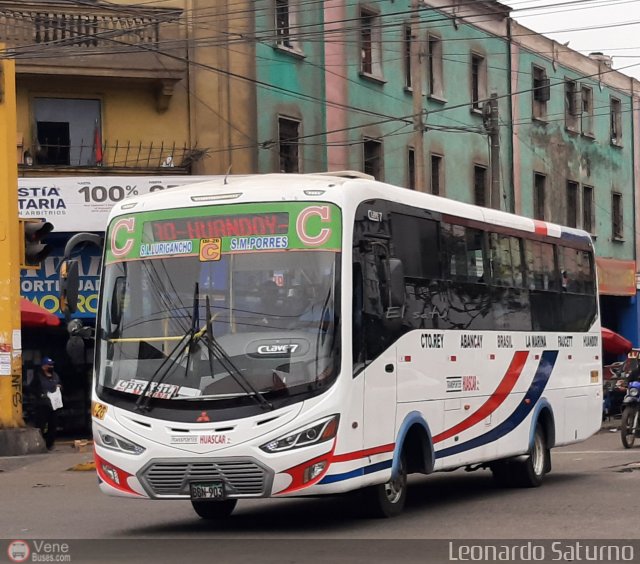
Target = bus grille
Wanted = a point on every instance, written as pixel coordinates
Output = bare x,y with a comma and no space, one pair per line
242,478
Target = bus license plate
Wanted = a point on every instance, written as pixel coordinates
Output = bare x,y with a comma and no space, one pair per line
206,490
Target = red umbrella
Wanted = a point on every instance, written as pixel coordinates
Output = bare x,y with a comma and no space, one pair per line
33,315
613,343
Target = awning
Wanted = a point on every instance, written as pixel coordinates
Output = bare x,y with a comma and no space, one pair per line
33,315
613,343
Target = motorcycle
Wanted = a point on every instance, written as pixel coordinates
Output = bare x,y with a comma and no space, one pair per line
630,423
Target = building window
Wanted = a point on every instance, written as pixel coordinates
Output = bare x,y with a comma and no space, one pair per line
285,21
434,68
480,185
68,132
411,168
587,110
539,196
372,155
541,92
616,215
572,204
437,187
572,105
407,56
370,53
616,121
478,81
588,218
288,134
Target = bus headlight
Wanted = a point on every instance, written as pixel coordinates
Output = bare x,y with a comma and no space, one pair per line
314,433
110,440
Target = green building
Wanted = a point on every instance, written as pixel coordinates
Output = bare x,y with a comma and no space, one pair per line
340,85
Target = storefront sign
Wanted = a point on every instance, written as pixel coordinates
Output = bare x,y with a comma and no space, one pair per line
616,277
83,203
43,286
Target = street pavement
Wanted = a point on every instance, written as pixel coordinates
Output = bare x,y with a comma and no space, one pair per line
588,495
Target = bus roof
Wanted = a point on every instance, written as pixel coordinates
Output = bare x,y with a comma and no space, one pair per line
347,189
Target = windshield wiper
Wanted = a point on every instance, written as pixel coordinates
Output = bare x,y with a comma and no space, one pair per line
188,341
221,355
142,403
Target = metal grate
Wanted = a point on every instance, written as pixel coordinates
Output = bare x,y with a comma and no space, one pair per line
242,477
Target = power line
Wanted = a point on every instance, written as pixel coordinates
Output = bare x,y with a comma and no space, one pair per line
311,98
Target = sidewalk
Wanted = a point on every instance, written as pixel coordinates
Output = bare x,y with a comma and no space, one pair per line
63,457
610,425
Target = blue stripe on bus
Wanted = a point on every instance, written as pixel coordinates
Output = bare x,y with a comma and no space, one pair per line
332,478
575,236
540,380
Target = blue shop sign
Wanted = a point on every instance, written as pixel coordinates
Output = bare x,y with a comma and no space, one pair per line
43,286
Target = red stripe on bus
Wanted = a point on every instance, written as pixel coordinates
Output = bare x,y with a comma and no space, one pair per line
540,227
362,453
487,408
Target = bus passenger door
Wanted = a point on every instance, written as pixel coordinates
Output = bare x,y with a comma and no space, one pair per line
380,321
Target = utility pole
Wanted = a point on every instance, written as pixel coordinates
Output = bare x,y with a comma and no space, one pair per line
416,87
15,437
492,125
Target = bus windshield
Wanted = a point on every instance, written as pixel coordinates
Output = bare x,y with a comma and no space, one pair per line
180,329
273,314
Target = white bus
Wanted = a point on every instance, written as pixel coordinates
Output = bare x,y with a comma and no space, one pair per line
300,335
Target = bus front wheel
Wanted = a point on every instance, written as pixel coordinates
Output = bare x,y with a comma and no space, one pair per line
388,499
214,509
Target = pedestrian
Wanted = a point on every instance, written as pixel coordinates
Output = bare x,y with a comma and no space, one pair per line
46,388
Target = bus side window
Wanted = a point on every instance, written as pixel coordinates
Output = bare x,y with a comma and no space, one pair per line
585,263
578,288
358,325
540,266
500,257
416,243
475,256
578,275
567,261
463,254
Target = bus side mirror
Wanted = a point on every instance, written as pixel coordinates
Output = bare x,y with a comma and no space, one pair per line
69,285
396,283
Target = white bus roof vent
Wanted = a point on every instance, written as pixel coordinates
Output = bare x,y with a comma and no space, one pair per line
344,174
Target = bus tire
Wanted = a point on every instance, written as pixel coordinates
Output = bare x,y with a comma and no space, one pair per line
530,472
501,472
388,499
214,509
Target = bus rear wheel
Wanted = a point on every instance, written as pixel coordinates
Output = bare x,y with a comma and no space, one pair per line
388,499
527,473
530,472
214,509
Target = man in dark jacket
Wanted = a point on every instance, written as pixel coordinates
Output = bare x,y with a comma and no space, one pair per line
45,382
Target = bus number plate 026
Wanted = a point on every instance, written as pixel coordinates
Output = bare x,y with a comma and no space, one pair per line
206,490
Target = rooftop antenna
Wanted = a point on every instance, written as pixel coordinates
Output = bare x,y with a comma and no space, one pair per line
226,175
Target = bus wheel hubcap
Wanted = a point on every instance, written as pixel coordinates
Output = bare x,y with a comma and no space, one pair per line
395,487
538,455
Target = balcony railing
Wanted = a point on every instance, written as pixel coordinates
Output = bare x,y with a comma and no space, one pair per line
118,155
56,38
